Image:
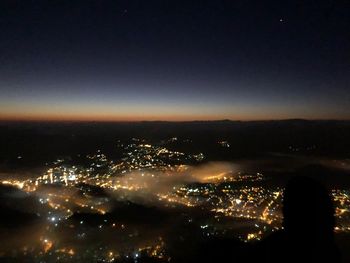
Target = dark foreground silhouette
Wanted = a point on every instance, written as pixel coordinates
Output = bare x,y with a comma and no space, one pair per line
307,234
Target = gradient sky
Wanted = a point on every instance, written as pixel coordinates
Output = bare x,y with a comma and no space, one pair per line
174,60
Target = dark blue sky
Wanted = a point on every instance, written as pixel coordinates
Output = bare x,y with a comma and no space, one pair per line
174,60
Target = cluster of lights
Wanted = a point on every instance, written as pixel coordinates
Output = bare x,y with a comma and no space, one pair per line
220,194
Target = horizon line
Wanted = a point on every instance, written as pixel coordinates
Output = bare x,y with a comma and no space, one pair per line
160,120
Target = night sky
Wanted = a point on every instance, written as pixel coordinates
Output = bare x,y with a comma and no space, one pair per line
173,60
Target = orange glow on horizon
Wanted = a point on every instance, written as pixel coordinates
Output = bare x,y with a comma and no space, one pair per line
107,118
138,118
